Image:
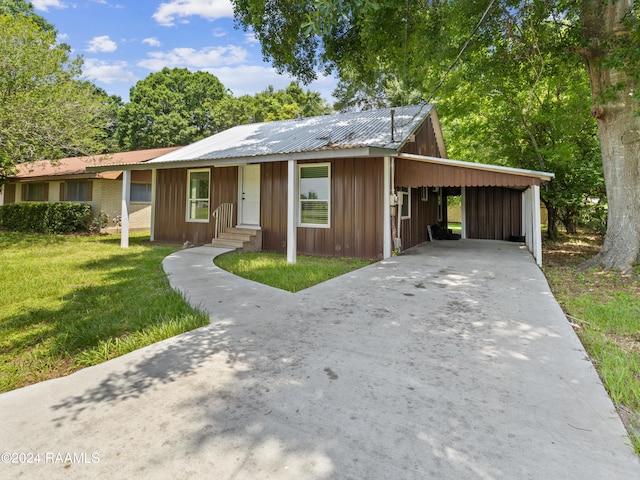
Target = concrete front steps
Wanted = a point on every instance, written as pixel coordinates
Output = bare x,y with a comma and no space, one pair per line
243,239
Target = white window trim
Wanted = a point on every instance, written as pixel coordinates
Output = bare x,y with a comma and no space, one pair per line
189,199
406,200
314,225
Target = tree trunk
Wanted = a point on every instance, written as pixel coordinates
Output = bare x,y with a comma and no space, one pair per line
552,222
619,131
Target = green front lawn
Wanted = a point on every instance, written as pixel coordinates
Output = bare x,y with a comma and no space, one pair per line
72,301
272,268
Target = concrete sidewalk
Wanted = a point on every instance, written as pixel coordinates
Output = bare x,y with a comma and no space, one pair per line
453,361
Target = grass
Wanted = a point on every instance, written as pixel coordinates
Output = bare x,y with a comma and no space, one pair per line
272,269
72,301
455,227
605,307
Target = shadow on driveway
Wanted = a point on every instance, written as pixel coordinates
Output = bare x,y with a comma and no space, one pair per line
451,361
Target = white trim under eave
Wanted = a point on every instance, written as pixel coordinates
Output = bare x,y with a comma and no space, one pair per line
319,155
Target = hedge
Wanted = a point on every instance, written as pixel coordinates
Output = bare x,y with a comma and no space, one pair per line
43,217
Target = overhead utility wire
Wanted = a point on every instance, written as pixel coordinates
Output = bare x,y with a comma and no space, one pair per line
464,47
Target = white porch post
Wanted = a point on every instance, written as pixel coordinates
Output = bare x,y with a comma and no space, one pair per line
292,210
154,176
124,215
386,209
537,234
463,213
1,195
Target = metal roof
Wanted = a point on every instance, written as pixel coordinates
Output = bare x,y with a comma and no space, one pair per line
371,128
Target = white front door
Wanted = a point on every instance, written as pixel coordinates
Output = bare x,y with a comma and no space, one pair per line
249,192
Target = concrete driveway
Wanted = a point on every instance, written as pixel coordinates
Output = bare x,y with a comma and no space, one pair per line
453,361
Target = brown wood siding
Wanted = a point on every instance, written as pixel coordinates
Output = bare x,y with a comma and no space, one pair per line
493,213
9,193
413,231
412,173
425,141
141,176
171,204
356,211
273,206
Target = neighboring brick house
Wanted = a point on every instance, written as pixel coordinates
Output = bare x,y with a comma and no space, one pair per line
67,180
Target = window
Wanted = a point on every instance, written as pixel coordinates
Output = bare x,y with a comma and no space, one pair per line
34,192
198,195
404,193
315,187
141,192
77,192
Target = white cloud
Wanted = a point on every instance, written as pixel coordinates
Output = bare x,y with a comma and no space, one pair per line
45,4
152,41
101,44
251,39
208,57
167,13
108,72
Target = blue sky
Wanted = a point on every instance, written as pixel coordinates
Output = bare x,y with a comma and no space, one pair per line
123,41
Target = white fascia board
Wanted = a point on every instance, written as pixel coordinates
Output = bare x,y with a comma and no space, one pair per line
543,176
360,152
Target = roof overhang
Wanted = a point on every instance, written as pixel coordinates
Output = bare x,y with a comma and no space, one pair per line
543,176
358,152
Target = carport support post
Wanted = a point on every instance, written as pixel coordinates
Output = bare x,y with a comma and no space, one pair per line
292,217
537,228
124,215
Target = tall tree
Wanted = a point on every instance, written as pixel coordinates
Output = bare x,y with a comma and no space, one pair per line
417,41
45,110
611,49
170,107
269,105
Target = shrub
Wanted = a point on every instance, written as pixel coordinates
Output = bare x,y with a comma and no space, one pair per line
99,223
43,217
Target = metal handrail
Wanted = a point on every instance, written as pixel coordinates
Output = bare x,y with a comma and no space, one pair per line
223,216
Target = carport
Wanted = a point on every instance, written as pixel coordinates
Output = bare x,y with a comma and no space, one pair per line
498,203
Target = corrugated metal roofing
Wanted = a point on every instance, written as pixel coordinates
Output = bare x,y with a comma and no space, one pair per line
370,128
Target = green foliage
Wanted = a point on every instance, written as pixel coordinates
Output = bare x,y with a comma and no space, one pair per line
45,111
269,105
99,223
44,217
170,107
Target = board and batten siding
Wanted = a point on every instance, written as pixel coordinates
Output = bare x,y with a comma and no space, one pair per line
171,204
425,142
413,231
493,213
356,211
